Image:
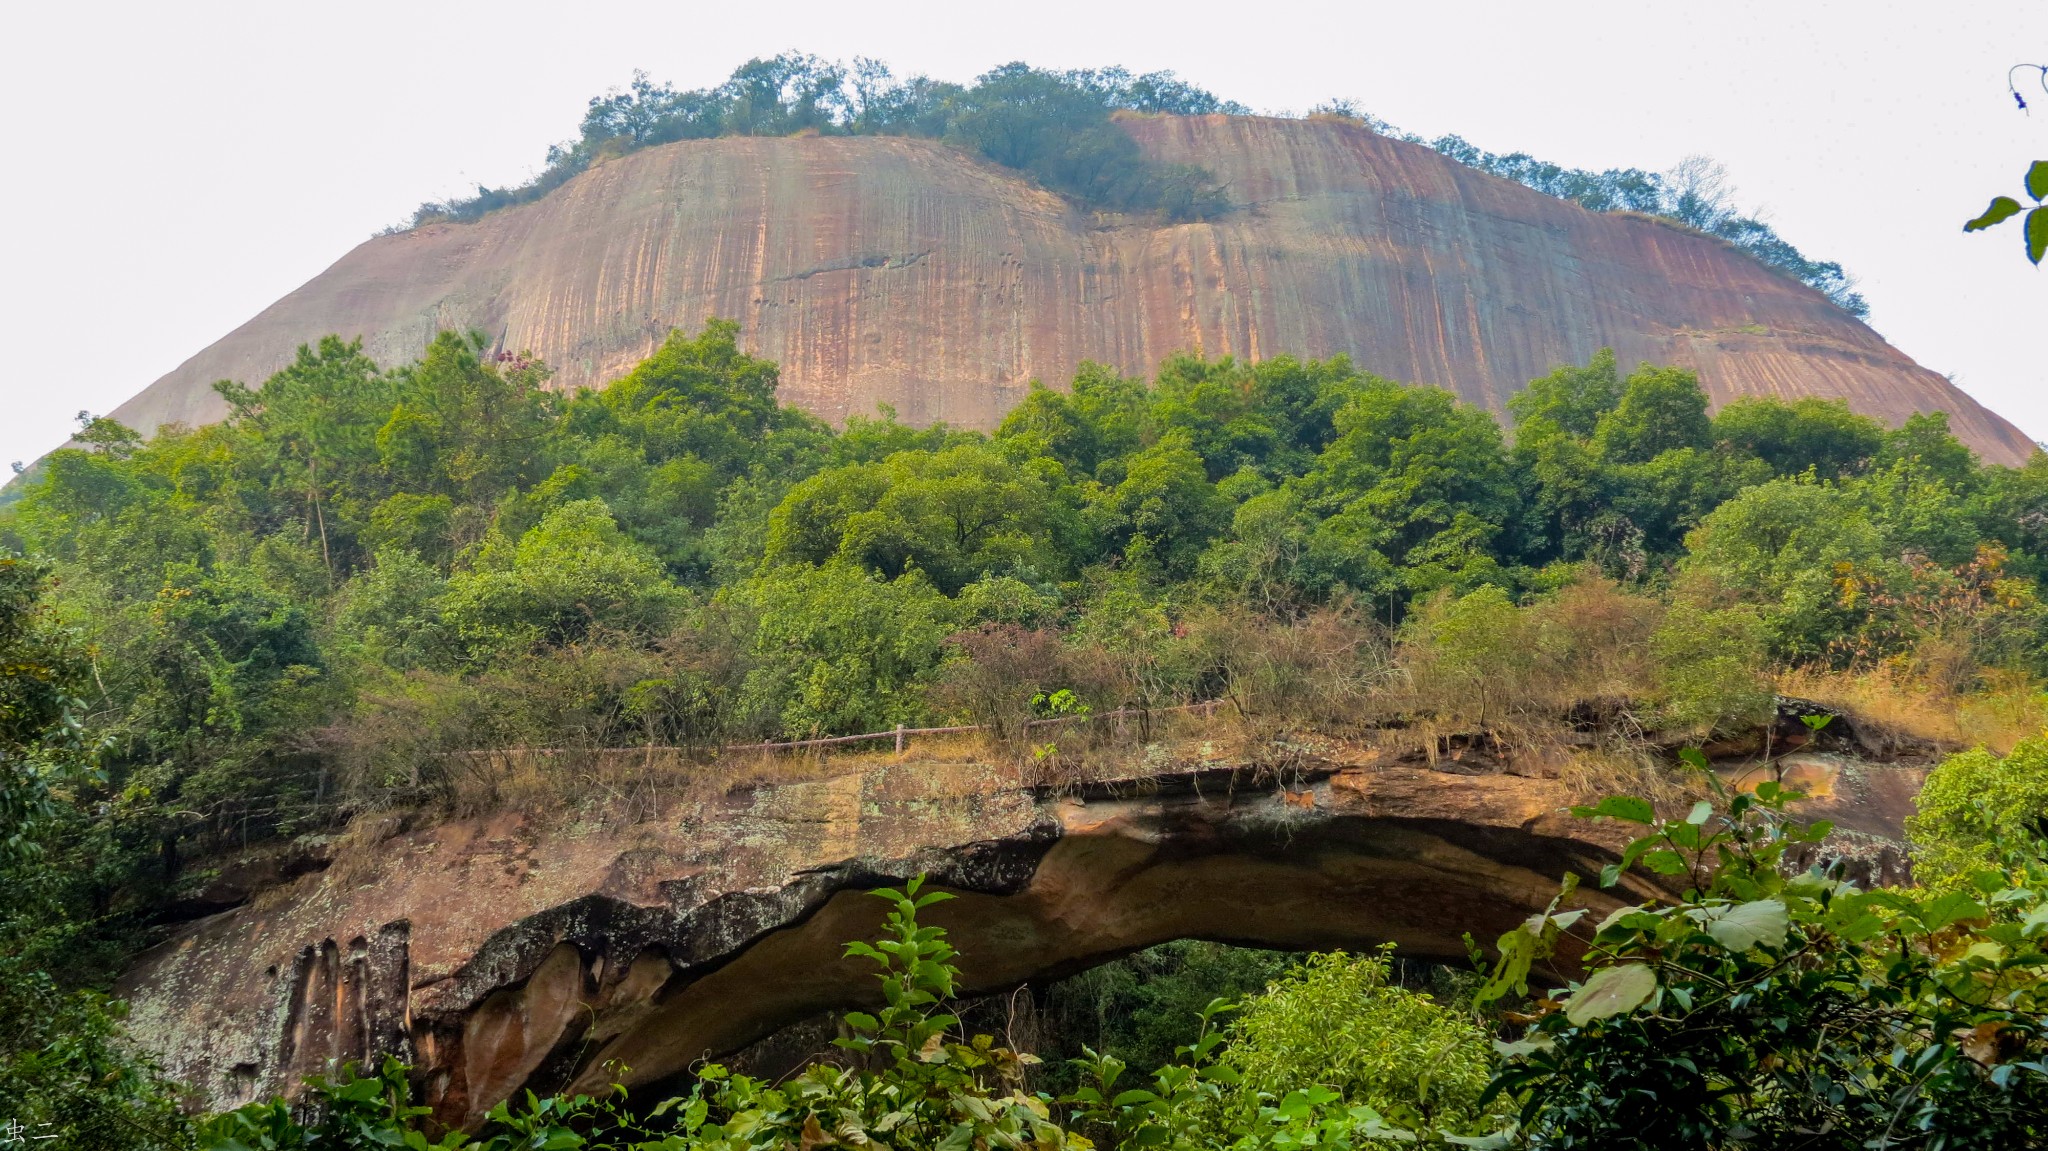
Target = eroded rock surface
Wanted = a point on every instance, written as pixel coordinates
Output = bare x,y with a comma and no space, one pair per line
514,952
898,270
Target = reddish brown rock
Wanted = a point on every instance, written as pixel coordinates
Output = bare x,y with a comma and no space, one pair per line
904,271
507,953
513,952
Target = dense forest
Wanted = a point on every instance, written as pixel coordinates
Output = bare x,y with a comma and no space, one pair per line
286,617
1058,128
364,565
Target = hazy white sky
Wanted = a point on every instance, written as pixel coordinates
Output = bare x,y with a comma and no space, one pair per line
172,169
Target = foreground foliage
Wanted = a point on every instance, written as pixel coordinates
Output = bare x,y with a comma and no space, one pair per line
1770,1010
66,1078
2034,228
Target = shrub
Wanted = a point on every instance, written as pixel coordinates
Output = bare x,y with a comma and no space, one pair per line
1337,1021
997,671
1471,659
1763,1008
1968,802
1709,669
1320,670
569,575
839,649
1594,640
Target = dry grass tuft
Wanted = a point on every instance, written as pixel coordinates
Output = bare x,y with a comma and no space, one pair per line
1885,699
2005,709
1628,768
613,786
354,850
2011,707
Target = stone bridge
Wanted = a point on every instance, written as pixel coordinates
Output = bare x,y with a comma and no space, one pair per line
551,950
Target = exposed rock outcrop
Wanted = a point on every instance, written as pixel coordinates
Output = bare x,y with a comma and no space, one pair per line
899,270
513,952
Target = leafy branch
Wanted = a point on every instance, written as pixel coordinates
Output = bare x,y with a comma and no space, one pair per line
2035,226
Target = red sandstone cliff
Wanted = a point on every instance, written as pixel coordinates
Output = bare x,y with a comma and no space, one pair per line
907,272
552,949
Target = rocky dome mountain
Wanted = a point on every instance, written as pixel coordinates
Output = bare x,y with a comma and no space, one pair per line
902,271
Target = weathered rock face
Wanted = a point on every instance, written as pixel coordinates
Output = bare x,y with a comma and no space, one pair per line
508,952
903,271
497,954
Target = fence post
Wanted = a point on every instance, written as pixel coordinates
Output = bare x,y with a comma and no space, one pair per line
899,739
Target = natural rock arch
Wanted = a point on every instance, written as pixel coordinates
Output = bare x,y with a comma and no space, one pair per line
510,952
1328,862
501,954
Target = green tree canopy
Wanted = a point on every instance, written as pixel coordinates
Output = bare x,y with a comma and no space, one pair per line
1661,410
1779,546
839,647
955,515
569,576
1416,476
1807,433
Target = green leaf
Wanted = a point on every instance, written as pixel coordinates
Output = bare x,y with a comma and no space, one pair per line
1626,807
1694,757
2037,180
1701,812
1498,1141
2036,922
1134,1095
1517,953
1615,917
1564,919
1665,862
1939,913
1986,950
2037,234
2002,208
1637,847
1537,1041
1746,925
1611,991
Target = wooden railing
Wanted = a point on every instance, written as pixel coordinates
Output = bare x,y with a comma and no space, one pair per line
901,734
234,818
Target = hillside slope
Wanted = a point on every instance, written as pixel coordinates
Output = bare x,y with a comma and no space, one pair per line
899,270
